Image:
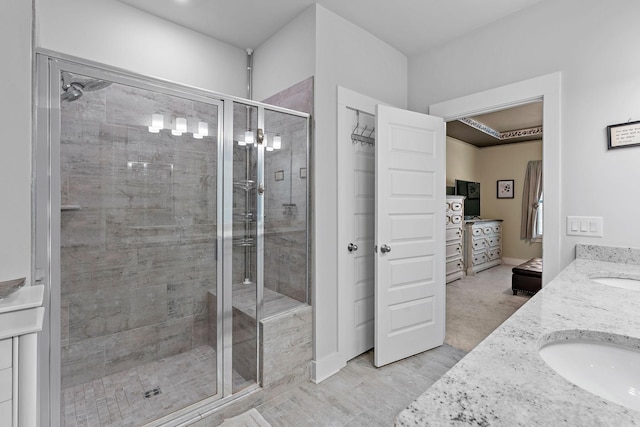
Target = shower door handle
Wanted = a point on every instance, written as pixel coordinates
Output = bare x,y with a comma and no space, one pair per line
261,189
351,247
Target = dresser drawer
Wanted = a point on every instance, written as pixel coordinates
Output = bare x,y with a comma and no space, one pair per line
455,206
453,219
453,233
454,266
454,249
476,231
479,259
497,228
6,353
479,244
6,384
494,254
493,241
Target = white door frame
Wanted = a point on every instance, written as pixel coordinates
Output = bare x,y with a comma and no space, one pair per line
545,88
346,98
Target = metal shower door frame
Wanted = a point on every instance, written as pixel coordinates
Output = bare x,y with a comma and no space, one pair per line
46,223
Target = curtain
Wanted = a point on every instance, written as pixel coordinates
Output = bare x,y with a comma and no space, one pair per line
531,225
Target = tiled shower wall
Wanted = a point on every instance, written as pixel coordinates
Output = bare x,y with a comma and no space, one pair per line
286,246
285,225
138,231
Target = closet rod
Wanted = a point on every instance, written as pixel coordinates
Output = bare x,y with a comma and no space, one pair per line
360,111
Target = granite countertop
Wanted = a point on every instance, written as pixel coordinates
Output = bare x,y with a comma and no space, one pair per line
504,381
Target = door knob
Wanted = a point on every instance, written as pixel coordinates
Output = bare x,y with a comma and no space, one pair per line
351,247
384,249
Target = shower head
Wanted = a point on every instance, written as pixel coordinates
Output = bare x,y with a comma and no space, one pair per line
74,86
90,85
71,92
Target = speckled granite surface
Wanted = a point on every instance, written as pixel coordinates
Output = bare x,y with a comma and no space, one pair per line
504,381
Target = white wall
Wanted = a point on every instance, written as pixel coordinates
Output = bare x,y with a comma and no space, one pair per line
588,42
350,57
461,161
15,147
115,34
287,58
508,161
335,52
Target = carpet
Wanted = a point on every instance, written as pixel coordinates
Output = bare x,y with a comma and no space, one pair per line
251,418
476,305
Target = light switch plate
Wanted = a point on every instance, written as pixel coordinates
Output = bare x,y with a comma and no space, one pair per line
587,226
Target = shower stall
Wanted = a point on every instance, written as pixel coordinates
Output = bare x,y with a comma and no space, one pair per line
169,222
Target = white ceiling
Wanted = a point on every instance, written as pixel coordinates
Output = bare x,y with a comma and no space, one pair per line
410,26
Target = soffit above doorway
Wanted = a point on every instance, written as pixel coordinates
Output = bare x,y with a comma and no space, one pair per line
517,124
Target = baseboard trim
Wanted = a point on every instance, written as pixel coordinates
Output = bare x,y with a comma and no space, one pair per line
326,367
513,261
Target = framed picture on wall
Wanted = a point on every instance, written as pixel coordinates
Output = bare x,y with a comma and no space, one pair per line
624,135
505,189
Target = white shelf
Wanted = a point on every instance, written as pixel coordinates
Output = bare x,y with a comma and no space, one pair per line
70,208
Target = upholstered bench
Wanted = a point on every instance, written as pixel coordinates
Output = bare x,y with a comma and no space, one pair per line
527,277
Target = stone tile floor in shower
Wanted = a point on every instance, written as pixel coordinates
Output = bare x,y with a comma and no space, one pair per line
119,399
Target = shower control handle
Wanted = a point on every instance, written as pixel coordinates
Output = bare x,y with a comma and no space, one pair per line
351,247
384,249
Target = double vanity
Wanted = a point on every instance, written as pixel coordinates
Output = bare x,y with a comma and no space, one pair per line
569,356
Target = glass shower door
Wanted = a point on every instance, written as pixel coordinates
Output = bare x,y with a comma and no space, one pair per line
269,227
138,197
285,207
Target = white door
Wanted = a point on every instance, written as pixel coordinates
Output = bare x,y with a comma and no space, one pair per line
362,192
356,225
410,234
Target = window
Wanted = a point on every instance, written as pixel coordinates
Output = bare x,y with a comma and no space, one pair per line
532,201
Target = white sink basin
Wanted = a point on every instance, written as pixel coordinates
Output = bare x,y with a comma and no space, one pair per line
619,282
608,370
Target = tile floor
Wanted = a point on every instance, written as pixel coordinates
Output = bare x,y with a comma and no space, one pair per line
360,394
119,399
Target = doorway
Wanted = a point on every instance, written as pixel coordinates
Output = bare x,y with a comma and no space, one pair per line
391,198
488,149
492,149
546,89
